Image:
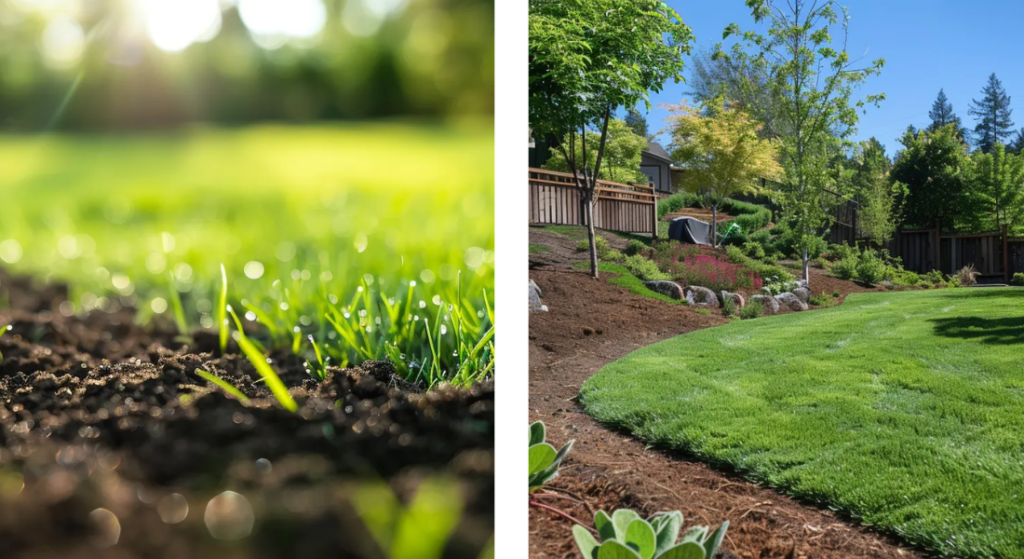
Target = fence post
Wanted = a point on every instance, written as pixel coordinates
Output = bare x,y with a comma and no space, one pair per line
654,215
1006,256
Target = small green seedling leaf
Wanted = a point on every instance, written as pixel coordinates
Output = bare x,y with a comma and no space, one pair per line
605,526
696,534
269,376
621,520
536,433
640,537
429,521
584,541
685,550
667,526
541,456
223,384
713,542
616,550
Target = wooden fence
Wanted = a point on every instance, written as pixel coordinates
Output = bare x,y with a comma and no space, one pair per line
555,199
995,255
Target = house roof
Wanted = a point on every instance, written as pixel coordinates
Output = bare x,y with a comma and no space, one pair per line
654,149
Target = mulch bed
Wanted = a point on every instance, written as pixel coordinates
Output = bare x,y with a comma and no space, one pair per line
592,323
102,421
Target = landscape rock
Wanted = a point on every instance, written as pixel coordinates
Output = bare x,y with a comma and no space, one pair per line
768,303
738,301
803,294
666,288
791,301
701,297
535,302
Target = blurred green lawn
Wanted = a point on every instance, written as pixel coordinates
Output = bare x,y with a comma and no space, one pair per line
386,227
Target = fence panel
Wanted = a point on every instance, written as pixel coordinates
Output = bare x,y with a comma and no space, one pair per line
917,249
555,199
983,251
1015,256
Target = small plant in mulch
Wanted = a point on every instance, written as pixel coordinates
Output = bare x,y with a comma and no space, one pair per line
752,309
544,464
1017,280
625,535
966,276
824,299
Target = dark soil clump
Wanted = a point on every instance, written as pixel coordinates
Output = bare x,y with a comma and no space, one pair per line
101,418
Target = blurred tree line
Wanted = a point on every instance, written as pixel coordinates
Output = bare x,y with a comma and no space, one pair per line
89,65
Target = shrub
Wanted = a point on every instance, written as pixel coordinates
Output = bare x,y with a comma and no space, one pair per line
870,268
753,250
613,256
824,300
626,534
1018,280
905,278
966,276
753,309
769,273
643,268
599,242
933,277
846,268
634,247
544,460
728,307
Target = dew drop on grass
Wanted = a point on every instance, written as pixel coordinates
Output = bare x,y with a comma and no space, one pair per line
264,465
107,528
423,304
172,509
269,360
284,306
333,299
359,289
253,269
436,300
250,316
229,516
444,329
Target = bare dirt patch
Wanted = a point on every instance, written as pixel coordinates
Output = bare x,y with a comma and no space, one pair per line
592,323
100,414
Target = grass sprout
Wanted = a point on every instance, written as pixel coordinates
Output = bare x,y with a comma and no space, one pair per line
224,385
178,309
417,531
3,331
222,311
259,361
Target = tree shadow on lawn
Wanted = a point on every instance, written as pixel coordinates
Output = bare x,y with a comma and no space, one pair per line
994,331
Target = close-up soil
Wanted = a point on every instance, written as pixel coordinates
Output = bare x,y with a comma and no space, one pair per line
108,435
591,323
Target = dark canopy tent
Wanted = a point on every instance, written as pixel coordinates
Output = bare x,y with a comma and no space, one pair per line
689,230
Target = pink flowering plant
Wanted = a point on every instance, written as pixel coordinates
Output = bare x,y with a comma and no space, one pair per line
704,266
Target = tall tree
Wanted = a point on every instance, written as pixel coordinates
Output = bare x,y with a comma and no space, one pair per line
999,177
812,84
587,58
1016,147
722,153
937,170
637,122
942,114
880,198
993,115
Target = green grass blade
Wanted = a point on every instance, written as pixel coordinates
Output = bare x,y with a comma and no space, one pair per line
223,384
179,310
269,376
2,332
222,310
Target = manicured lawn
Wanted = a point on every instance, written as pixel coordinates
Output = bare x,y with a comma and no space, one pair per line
903,409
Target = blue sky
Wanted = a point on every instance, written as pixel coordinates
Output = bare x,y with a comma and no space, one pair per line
926,44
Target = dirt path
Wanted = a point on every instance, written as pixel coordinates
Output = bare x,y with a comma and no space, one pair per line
592,323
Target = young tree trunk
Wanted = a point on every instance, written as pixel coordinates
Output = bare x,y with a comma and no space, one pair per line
807,269
591,236
714,225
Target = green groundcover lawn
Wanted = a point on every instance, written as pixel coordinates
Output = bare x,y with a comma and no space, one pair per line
905,410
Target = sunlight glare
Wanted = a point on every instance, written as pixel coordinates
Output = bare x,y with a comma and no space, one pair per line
63,42
173,26
272,23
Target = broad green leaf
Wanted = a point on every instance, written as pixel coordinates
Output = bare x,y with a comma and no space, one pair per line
667,530
685,550
541,456
615,550
605,526
712,543
584,540
640,536
536,433
621,519
696,534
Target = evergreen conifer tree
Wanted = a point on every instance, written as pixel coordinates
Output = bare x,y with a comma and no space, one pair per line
993,114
